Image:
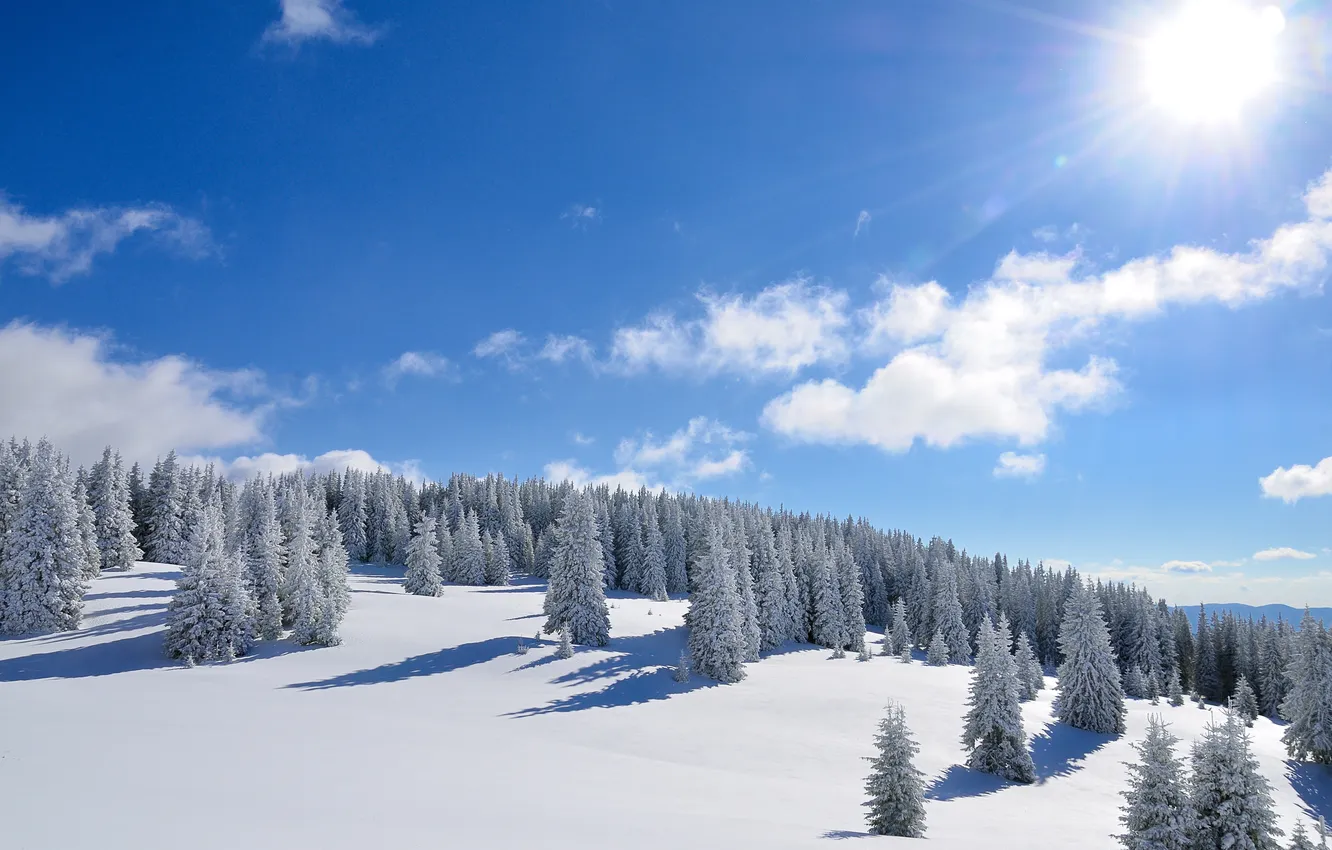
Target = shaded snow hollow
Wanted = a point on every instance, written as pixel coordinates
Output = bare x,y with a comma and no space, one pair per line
426,729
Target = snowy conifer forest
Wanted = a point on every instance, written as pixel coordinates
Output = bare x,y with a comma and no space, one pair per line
485,662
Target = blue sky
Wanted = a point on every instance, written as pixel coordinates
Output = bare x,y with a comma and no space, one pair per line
910,261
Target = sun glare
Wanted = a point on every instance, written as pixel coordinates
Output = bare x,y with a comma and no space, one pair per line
1212,59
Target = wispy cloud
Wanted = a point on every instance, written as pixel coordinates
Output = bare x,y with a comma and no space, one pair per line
979,365
420,364
502,345
1300,481
64,245
1186,567
558,349
581,215
703,450
270,463
862,221
583,439
1282,553
782,329
1014,465
314,20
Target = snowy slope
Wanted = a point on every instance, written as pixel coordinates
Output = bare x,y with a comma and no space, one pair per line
425,729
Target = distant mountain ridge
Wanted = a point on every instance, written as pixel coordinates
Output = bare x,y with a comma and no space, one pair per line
1257,612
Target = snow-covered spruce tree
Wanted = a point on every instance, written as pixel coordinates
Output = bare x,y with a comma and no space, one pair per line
575,596
993,731
673,547
92,557
681,672
1157,810
904,653
498,563
42,570
263,562
208,617
829,630
1299,838
716,626
654,556
1031,679
1308,705
469,559
1134,684
303,597
896,789
1244,702
1174,690
937,654
565,649
352,515
443,545
1231,800
738,550
901,626
1090,696
422,577
331,571
853,598
770,591
167,531
948,615
110,497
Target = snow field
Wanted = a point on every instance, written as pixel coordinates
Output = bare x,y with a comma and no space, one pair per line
425,728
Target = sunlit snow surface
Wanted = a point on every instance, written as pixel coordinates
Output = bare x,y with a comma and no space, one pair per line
426,729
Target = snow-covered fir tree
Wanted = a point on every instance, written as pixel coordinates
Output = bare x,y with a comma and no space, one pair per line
901,626
653,584
1157,813
948,621
1244,702
114,520
352,516
775,608
1090,696
43,565
937,654
1308,705
208,618
717,642
738,551
331,571
829,628
469,557
993,730
1299,838
1031,678
1232,802
1135,684
92,556
263,552
895,788
168,520
575,596
303,598
422,577
1174,690
565,648
853,598
498,562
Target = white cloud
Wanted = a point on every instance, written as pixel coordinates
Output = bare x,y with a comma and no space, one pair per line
582,439
625,479
1014,465
560,348
269,463
311,20
862,221
782,329
66,386
1057,563
1186,567
1283,552
979,367
421,364
1048,233
1299,481
704,449
581,215
62,246
501,344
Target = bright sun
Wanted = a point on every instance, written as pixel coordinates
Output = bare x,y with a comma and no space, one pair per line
1214,57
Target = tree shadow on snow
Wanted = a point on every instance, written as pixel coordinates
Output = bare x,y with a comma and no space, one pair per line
1313,782
959,781
429,664
132,594
150,619
844,834
164,575
1060,750
640,669
140,652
